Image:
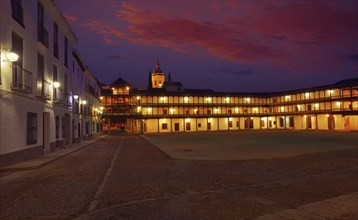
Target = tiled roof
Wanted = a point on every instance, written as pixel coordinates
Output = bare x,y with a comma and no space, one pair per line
120,82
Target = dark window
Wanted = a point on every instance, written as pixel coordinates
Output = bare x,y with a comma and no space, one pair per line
66,52
230,124
31,128
17,47
199,125
55,40
208,111
164,126
65,86
237,123
42,33
57,124
229,112
63,127
309,107
165,111
17,11
40,74
86,127
187,112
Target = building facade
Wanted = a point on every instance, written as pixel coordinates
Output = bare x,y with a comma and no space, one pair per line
174,109
48,98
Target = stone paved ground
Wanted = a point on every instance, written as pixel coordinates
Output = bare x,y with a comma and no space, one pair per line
134,180
248,145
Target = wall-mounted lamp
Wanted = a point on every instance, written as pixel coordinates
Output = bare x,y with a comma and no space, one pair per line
56,84
84,102
75,97
9,55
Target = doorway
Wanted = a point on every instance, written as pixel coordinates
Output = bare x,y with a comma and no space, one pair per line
176,127
309,122
330,120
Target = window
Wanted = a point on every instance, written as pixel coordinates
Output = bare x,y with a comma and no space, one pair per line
199,125
229,112
187,112
164,126
42,33
165,111
17,47
208,111
63,127
57,124
86,127
230,124
40,72
17,12
66,52
55,40
31,128
54,79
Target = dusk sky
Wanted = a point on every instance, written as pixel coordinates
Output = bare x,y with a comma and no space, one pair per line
237,46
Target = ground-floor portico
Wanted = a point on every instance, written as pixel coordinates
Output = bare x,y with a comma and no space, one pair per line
194,124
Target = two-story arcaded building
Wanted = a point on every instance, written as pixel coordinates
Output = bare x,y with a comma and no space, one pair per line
48,97
171,108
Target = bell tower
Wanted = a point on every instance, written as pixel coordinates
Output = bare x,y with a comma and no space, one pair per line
158,77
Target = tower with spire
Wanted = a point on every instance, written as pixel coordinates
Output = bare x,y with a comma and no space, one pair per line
157,76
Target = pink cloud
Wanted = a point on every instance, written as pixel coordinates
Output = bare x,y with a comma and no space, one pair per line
291,34
110,41
71,18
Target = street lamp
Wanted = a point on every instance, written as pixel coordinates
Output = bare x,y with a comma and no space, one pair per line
9,55
56,84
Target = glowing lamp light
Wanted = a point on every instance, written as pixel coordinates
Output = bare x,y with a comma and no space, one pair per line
138,97
75,97
186,99
84,102
11,56
101,97
227,99
127,88
56,84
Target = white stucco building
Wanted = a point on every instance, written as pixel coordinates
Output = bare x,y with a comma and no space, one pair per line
48,97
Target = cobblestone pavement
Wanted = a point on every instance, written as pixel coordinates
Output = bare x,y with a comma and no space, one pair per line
125,177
